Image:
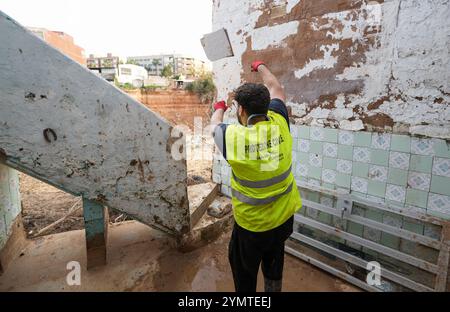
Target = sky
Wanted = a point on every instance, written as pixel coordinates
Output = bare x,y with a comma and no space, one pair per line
124,28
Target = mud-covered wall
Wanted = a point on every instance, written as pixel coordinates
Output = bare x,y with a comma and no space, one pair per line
349,64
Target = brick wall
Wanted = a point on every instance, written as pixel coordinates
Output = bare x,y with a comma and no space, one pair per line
179,107
64,43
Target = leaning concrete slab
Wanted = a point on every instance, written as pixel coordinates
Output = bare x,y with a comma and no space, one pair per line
65,126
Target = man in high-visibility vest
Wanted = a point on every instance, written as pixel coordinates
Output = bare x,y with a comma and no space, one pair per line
264,193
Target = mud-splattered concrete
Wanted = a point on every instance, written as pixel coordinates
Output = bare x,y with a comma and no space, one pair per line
78,132
143,259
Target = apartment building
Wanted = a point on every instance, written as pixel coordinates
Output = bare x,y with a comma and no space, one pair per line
62,42
182,65
107,66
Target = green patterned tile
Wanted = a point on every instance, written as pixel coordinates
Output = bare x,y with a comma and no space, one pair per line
397,176
315,173
360,195
413,226
441,148
330,135
363,139
401,143
324,218
392,219
295,144
417,198
294,131
372,234
316,147
312,196
360,169
303,158
438,214
379,157
358,210
355,228
329,186
432,231
440,185
343,180
374,215
376,188
345,152
421,163
390,241
303,132
329,163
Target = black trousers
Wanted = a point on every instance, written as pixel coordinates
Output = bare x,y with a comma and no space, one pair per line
248,250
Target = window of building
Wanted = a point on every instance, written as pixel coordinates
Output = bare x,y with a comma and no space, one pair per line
125,71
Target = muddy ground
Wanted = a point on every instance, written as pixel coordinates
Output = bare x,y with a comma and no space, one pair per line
144,259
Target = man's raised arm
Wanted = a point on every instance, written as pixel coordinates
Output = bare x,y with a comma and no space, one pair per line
275,88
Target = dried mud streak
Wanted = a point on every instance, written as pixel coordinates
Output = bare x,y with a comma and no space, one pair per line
379,121
300,49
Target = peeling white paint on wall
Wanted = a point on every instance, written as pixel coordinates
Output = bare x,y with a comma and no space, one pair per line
265,37
290,4
406,69
328,61
236,19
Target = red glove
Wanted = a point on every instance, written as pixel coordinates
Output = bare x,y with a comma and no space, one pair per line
256,64
221,105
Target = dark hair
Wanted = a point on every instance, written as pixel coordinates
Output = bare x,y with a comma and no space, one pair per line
253,97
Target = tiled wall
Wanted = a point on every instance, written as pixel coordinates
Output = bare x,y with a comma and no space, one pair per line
9,201
399,169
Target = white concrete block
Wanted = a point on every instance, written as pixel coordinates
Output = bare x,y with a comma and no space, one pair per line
65,125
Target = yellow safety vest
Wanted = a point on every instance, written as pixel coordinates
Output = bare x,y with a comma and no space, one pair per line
264,192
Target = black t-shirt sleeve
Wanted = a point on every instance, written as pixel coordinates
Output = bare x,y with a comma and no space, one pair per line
279,107
219,138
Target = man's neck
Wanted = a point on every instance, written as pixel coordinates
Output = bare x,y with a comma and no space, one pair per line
256,119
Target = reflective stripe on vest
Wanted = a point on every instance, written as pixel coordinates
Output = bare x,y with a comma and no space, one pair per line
264,183
259,201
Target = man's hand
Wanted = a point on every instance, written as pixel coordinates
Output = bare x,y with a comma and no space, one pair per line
217,117
256,64
275,88
220,105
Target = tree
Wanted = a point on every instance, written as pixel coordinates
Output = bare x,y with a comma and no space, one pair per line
167,71
204,87
132,62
